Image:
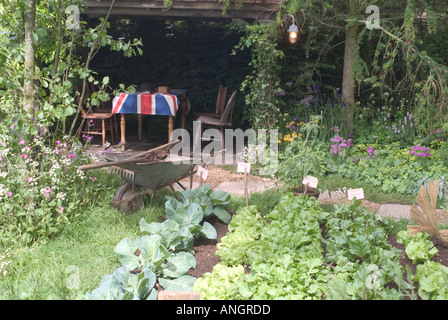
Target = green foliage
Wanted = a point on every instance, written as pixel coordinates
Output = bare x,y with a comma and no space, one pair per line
281,256
418,247
185,215
432,278
223,283
167,251
212,202
302,155
173,236
392,169
262,84
41,185
144,262
124,285
364,262
282,250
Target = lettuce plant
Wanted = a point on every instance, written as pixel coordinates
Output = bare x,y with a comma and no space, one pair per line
432,278
418,247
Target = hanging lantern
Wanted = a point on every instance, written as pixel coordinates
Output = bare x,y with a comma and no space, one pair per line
293,31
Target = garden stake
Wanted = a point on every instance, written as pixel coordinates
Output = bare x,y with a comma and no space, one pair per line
306,188
245,187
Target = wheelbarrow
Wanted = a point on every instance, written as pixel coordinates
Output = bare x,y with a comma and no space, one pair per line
145,173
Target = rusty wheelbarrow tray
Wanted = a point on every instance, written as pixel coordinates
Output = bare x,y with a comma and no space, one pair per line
143,176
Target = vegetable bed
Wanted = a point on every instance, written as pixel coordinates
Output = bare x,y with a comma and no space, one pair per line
299,251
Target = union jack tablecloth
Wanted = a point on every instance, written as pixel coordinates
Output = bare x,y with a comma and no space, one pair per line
163,104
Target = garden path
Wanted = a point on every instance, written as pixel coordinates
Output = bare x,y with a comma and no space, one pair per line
233,182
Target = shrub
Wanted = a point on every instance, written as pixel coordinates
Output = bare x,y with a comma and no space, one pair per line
41,187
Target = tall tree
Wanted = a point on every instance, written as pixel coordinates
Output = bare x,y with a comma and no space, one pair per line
395,34
28,86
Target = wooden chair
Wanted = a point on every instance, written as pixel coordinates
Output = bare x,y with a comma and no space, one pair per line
225,120
95,123
220,104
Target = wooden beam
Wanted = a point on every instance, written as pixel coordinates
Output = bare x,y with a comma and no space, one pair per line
253,10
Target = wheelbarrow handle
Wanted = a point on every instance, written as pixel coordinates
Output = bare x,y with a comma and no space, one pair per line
133,159
164,146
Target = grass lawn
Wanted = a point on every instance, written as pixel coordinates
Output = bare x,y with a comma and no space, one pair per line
84,250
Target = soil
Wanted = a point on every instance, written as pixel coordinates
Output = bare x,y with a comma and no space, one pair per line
205,249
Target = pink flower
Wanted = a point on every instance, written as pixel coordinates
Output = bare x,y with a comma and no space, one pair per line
61,208
9,194
21,142
24,156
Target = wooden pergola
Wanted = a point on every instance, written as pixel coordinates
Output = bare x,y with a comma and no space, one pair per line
246,12
252,10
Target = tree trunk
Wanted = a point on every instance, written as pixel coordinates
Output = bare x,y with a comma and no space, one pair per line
348,88
28,85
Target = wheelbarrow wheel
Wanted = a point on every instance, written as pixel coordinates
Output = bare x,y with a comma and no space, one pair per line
135,201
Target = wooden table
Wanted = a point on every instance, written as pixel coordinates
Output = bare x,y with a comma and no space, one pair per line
145,103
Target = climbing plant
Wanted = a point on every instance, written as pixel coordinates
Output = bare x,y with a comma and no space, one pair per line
262,84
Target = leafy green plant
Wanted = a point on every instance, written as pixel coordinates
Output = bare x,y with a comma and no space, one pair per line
212,202
223,283
145,261
281,249
190,216
148,252
302,156
173,236
124,285
364,262
262,84
418,247
432,279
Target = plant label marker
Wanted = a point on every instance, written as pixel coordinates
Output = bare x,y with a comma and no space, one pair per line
355,193
310,181
245,167
202,173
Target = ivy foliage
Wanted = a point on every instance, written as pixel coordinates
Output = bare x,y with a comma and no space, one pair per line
263,83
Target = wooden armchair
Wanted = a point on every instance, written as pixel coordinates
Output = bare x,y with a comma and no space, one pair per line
225,120
220,104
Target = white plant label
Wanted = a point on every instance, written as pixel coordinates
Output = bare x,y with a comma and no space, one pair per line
355,193
203,171
311,181
242,166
